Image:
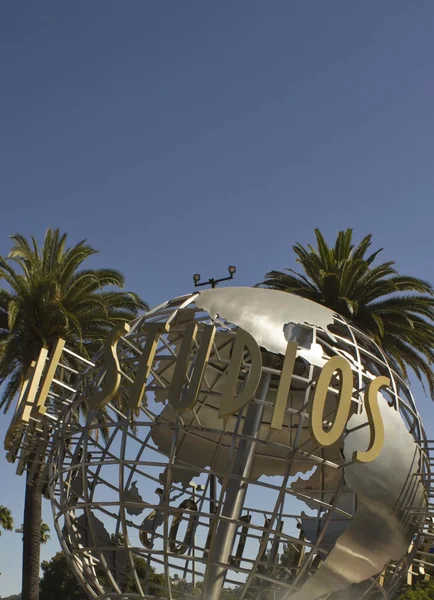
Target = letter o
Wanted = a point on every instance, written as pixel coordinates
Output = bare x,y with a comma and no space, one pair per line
327,438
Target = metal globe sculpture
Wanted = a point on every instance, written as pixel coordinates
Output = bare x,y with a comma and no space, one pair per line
240,443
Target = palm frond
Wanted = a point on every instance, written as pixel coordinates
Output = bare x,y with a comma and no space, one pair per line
48,294
396,310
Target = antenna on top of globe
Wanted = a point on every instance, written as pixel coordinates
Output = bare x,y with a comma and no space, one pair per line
214,282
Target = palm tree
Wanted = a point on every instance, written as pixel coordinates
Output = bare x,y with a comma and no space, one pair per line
49,295
45,533
6,519
397,311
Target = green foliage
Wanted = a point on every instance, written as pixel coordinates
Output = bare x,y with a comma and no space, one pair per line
397,311
49,295
421,591
45,533
282,568
6,519
231,594
58,582
156,580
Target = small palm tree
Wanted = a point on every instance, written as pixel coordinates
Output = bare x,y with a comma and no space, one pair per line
397,311
45,533
6,519
49,295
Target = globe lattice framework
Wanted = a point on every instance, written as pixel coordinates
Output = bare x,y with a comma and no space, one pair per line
230,507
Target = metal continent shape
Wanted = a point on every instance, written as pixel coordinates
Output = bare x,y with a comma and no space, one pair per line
232,505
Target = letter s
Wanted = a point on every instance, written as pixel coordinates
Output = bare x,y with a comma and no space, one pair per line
375,420
113,377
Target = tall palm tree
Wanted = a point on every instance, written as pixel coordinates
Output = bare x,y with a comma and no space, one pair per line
6,519
49,295
397,311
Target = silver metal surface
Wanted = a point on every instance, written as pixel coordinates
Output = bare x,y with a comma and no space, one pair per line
382,527
236,494
279,517
268,316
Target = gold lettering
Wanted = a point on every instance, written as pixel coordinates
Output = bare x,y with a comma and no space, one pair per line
31,401
183,395
138,388
284,385
375,420
151,522
230,403
34,384
49,376
189,507
327,438
22,413
188,400
113,376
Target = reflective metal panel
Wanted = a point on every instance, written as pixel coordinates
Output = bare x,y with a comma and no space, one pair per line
233,503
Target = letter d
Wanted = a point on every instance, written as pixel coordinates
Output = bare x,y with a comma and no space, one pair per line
230,403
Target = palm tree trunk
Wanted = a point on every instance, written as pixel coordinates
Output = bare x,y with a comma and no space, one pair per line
31,542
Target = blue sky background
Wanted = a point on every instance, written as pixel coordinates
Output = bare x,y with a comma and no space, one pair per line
184,136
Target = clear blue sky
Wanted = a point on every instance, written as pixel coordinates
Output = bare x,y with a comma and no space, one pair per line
184,136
